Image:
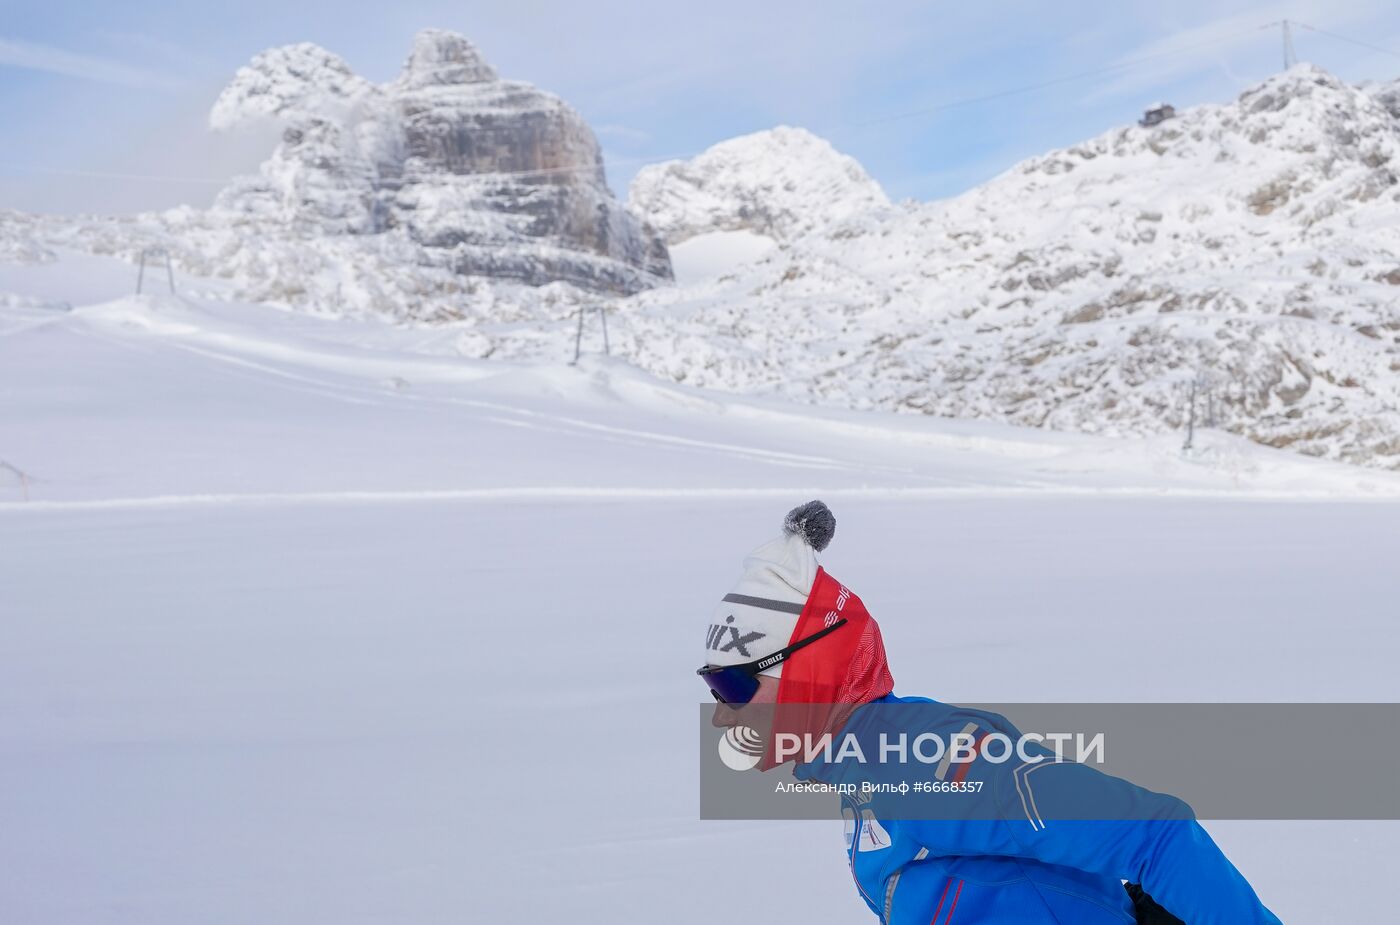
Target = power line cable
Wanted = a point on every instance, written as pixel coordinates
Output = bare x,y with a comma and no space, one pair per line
539,172
1343,38
1068,78
111,175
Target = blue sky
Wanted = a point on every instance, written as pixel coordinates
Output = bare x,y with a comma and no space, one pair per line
103,105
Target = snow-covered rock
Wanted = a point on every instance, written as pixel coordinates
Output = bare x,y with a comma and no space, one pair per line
293,81
1387,94
490,177
781,183
444,195
18,244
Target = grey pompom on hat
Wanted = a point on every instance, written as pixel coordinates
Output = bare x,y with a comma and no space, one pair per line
814,522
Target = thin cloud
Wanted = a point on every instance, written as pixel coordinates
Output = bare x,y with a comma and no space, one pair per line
181,57
48,59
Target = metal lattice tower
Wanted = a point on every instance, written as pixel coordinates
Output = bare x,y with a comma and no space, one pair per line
1290,57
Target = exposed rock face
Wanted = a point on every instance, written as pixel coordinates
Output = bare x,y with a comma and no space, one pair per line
495,177
781,183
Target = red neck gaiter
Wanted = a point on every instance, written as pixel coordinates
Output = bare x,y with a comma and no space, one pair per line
823,683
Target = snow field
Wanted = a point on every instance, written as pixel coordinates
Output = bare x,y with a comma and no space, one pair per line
484,710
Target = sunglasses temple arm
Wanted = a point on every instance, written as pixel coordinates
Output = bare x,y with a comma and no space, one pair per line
752,667
813,638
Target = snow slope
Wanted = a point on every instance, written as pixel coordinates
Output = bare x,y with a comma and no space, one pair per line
199,375
704,257
295,614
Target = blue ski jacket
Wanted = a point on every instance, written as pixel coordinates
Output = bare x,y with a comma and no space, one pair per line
1020,864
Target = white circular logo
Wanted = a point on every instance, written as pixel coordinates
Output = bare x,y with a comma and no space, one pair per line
740,748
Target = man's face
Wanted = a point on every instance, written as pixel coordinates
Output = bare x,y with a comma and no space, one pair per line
726,716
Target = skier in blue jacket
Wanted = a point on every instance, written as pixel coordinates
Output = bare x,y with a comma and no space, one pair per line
1021,849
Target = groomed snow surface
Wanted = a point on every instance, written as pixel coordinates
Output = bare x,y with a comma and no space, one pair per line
315,621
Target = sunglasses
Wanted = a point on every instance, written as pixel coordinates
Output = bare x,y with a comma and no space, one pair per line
735,685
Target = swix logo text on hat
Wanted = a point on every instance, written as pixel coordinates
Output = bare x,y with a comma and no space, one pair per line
724,637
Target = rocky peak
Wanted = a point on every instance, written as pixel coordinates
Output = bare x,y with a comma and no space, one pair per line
1307,110
1297,146
442,58
780,183
489,177
1302,81
290,82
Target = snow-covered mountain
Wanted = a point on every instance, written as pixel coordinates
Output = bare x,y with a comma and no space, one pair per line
1253,247
432,197
782,184
498,178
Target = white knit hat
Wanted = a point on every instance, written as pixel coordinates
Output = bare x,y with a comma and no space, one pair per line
758,616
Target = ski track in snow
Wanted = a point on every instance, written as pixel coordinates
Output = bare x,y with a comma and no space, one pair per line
553,423
585,494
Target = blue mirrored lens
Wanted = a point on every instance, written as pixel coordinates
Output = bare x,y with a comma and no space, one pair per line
731,685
